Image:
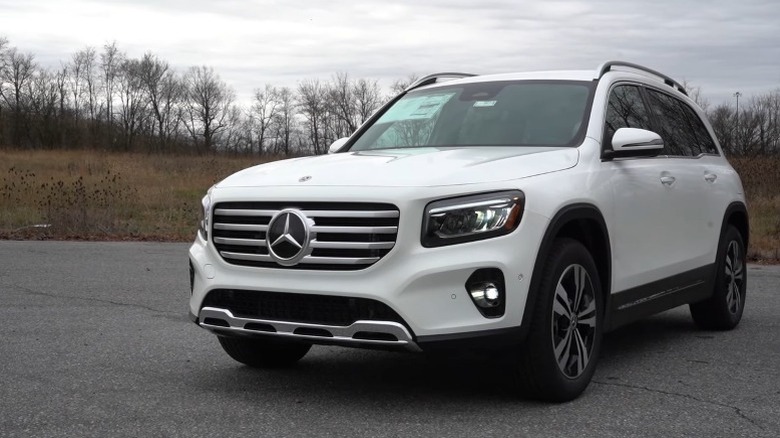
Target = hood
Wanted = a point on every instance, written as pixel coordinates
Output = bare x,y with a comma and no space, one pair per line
414,167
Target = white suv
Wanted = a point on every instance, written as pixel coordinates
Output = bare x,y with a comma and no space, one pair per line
529,212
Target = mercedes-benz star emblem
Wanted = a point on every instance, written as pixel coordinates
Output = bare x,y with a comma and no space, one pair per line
288,237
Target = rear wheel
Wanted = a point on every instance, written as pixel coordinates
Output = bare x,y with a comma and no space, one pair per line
559,357
263,353
723,310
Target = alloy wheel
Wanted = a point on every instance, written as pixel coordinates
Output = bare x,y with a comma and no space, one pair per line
574,321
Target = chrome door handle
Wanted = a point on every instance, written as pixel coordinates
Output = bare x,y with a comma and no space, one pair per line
667,180
710,177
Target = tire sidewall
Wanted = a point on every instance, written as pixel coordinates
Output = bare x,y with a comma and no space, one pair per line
567,252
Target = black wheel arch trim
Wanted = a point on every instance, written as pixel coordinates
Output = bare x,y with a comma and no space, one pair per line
736,207
563,217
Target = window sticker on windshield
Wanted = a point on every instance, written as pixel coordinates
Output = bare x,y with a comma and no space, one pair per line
484,103
416,108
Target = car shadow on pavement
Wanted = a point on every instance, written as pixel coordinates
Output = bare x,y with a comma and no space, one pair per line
364,376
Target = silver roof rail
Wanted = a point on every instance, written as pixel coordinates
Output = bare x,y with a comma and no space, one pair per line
607,66
432,79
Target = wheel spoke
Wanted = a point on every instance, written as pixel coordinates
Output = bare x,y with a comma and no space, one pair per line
563,351
736,297
580,279
729,264
561,303
588,315
581,351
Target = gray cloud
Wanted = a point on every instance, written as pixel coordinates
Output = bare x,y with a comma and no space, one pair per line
722,46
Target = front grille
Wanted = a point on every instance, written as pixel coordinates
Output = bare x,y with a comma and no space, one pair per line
344,236
305,308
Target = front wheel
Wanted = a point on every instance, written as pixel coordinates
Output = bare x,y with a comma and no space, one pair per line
723,310
559,357
263,353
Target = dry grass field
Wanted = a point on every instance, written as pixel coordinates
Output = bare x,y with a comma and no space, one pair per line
98,196
101,196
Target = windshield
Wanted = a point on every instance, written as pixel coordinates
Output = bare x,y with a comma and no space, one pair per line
522,113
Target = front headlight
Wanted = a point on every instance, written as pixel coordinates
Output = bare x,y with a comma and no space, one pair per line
205,213
469,218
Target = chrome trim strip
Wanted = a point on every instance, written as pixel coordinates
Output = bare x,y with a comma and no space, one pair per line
240,227
354,230
243,256
341,335
236,241
659,295
305,260
352,245
244,212
338,260
352,213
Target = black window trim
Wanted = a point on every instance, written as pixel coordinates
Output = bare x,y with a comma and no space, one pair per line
643,91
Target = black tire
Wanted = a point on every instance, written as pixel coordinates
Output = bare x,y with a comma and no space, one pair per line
540,372
724,309
263,353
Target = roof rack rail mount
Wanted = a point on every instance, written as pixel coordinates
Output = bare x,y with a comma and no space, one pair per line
432,79
607,66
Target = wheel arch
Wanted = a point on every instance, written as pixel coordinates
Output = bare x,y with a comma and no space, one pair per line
585,223
737,215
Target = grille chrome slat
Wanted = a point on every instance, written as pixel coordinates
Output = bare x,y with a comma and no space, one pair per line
240,227
243,212
352,245
339,260
238,241
306,260
345,236
354,230
244,256
352,214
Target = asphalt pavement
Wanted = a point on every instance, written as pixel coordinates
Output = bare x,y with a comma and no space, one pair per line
95,341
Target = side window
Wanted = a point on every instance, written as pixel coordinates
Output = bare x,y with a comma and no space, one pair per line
625,110
676,125
703,138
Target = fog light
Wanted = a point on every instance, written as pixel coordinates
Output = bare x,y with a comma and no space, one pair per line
485,294
488,292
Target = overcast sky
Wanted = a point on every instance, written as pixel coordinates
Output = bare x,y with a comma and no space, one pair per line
722,46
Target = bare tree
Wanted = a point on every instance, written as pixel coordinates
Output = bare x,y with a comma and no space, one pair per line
110,63
263,113
342,101
131,97
399,85
368,98
694,92
313,106
17,73
209,100
164,91
284,122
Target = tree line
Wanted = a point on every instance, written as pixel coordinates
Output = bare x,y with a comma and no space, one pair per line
107,100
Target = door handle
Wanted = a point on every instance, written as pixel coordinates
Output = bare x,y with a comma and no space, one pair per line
710,177
667,180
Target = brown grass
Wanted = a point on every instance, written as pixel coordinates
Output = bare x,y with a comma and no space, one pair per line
761,180
100,196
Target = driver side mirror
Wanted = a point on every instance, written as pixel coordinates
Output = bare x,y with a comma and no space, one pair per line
336,145
633,142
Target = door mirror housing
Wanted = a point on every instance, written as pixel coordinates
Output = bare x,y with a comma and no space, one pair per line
336,145
634,142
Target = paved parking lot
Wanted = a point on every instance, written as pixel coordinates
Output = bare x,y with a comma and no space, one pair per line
95,341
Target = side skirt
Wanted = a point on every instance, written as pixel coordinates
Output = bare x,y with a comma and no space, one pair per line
642,301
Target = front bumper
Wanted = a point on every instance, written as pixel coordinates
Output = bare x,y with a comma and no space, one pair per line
425,286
